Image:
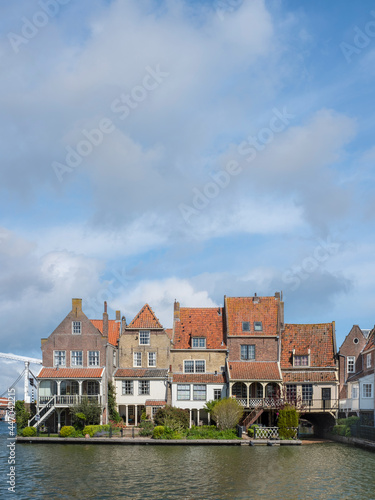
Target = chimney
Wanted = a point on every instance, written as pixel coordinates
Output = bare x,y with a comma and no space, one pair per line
105,321
77,306
176,311
277,295
256,299
118,316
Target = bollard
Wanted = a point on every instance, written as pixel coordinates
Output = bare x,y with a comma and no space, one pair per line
37,430
133,432
49,431
110,432
122,432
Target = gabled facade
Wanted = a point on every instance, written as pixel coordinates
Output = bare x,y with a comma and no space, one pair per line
144,358
309,367
79,357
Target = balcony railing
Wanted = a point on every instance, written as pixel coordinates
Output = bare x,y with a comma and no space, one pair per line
273,432
349,404
261,402
302,405
69,400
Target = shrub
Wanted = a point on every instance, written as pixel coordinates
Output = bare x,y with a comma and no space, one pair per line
67,430
169,416
227,413
29,432
348,421
87,412
210,432
288,419
22,416
91,430
113,413
158,432
250,430
339,429
147,428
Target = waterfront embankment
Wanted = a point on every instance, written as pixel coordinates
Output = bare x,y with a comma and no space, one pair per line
353,441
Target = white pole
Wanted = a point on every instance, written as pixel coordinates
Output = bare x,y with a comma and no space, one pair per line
26,396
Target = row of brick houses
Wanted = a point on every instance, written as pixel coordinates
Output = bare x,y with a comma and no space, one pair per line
242,350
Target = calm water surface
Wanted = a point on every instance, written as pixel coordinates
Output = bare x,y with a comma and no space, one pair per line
326,471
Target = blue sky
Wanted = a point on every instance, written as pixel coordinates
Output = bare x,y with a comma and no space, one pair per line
170,149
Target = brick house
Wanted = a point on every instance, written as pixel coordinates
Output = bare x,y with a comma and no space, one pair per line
198,355
79,358
350,363
141,380
309,367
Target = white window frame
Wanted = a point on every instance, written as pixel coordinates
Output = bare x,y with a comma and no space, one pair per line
245,329
350,363
368,360
93,388
150,364
144,335
144,388
367,391
301,359
60,355
217,394
199,390
307,393
76,327
127,388
95,355
250,356
194,363
198,343
184,389
258,326
75,355
137,359
355,392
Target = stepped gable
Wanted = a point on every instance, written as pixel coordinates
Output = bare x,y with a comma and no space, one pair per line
252,309
113,329
254,370
145,319
200,322
319,338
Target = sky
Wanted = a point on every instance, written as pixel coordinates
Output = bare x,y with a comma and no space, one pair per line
175,149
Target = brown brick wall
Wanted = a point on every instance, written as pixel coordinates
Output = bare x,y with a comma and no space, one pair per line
349,348
159,343
214,360
265,348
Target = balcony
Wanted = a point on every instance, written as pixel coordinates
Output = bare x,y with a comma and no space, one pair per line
312,405
69,400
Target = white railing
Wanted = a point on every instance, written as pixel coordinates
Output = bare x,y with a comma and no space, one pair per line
273,432
261,402
69,400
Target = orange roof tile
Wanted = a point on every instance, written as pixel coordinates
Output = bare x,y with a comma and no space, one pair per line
155,402
252,309
254,370
141,372
199,378
145,319
5,401
319,338
71,373
370,343
113,329
169,332
307,376
200,322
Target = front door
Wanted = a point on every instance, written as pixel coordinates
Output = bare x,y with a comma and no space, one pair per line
326,398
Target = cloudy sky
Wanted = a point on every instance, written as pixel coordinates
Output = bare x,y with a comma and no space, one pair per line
183,149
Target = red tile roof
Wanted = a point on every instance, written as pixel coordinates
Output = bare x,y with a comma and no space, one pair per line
155,402
200,322
113,329
71,373
297,376
254,370
370,343
251,309
169,332
199,378
319,338
145,319
5,401
141,372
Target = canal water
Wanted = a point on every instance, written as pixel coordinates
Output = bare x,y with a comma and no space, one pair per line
319,471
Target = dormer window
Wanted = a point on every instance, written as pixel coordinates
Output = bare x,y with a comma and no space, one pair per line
76,328
258,327
198,343
245,326
301,360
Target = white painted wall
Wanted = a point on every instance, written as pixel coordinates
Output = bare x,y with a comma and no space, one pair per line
157,391
193,404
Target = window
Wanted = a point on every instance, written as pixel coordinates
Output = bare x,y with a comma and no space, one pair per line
248,352
137,359
217,394
368,360
307,392
258,327
152,359
183,392
198,343
127,387
144,337
154,410
367,390
354,392
350,364
144,387
76,328
92,387
199,392
245,326
301,360
291,392
355,340
93,358
193,366
76,358
60,358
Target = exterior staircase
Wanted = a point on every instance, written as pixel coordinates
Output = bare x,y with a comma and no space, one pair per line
43,413
250,419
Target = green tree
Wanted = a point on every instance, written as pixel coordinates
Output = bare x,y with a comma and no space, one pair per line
87,412
112,410
227,413
288,419
209,406
22,416
174,418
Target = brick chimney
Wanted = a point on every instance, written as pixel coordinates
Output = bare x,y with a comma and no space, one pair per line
105,320
176,311
77,306
118,316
